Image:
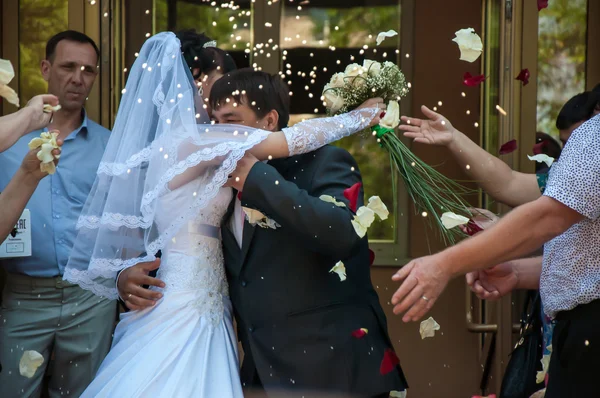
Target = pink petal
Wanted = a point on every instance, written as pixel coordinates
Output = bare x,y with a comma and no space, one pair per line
389,362
508,147
352,195
524,76
472,228
360,333
542,4
473,81
239,196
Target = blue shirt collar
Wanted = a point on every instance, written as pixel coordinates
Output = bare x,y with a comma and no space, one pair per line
82,128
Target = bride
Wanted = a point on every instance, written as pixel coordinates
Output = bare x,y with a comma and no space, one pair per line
160,186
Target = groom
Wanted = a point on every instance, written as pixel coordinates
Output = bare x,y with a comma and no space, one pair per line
295,318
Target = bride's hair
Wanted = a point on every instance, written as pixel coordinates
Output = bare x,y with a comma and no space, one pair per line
204,59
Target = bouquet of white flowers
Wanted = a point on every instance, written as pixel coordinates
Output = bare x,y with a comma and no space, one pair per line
432,192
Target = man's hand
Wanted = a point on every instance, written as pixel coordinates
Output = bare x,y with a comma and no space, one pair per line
436,130
493,283
37,117
31,163
130,282
238,177
423,281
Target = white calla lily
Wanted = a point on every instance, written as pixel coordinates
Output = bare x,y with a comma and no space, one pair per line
391,120
469,43
378,207
542,158
339,269
451,220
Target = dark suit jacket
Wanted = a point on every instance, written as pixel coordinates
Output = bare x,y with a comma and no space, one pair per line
295,318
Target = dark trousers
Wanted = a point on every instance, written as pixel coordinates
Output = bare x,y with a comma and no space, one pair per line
575,361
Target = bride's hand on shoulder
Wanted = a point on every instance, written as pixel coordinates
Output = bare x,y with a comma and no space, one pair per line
434,130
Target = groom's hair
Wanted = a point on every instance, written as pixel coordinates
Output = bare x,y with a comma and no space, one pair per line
258,90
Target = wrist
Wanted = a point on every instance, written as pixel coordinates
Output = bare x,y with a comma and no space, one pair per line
29,113
27,177
454,144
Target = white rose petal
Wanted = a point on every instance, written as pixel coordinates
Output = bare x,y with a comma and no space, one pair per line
469,43
333,102
49,108
381,36
339,269
9,94
542,157
451,220
362,220
360,229
253,216
365,216
428,328
391,120
398,394
47,143
378,207
331,199
372,67
30,362
45,154
7,73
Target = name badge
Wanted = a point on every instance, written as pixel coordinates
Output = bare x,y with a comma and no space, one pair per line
18,243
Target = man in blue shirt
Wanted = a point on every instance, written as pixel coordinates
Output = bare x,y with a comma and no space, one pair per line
69,326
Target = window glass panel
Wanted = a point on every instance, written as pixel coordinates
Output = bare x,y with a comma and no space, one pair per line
229,25
38,22
561,61
322,38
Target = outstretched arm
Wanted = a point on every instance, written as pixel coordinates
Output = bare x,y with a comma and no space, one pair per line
302,138
25,120
493,175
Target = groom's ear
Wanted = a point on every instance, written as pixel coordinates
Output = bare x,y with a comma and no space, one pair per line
271,120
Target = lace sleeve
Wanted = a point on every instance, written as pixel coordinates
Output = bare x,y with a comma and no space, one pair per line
310,135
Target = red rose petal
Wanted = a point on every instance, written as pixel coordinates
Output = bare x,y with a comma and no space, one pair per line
473,228
538,148
352,195
508,147
542,4
382,115
473,81
371,257
389,362
524,76
360,333
239,195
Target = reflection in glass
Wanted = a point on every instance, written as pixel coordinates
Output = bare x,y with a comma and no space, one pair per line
39,20
319,42
561,58
229,25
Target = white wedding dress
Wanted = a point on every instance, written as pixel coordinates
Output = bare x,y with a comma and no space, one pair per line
185,345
